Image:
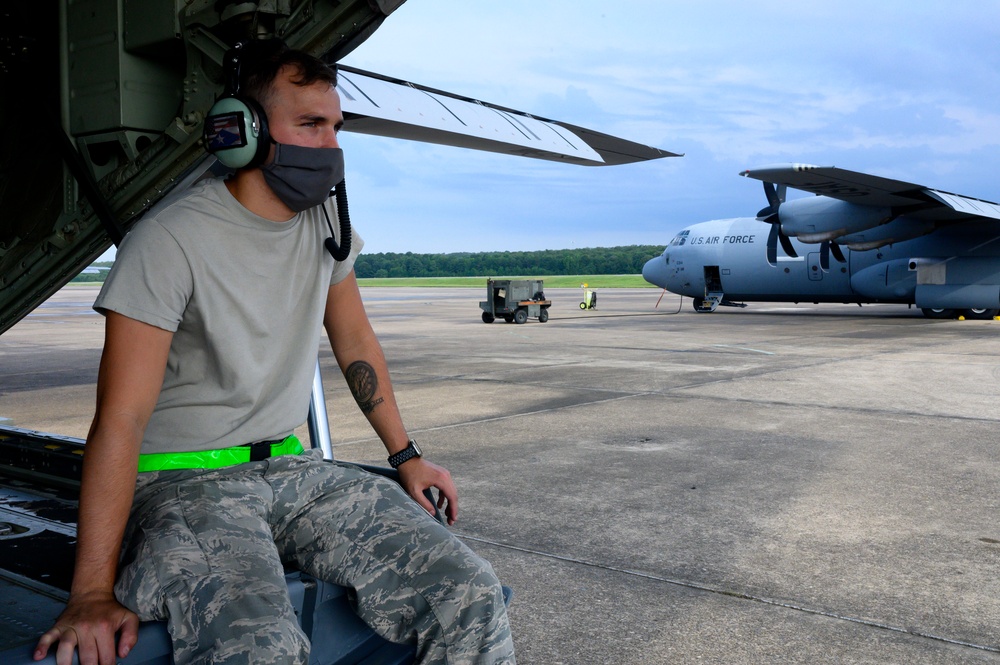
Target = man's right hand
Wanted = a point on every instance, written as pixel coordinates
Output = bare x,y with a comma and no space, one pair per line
89,623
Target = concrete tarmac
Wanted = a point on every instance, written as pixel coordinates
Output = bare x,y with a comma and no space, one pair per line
779,484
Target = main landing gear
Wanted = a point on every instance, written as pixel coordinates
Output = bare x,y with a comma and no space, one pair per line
973,314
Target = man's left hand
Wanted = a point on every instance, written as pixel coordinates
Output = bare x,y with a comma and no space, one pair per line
417,475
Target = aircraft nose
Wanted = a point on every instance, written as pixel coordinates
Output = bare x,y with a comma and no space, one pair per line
655,271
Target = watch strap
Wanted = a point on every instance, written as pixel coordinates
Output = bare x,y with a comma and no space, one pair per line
407,453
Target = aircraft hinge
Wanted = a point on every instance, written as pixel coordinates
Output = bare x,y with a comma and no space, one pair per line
7,245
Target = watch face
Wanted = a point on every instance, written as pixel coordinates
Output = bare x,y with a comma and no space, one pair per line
415,448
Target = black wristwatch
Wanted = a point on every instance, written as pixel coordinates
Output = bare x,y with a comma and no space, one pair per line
407,453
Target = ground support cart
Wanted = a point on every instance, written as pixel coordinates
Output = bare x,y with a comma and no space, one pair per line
514,300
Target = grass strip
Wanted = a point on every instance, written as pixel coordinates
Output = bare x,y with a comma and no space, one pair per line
551,281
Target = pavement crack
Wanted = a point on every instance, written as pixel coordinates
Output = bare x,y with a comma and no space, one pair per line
825,407
739,595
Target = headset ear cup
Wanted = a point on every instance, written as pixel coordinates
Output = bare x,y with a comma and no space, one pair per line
263,148
236,132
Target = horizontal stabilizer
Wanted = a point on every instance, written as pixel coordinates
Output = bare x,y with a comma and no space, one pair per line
375,104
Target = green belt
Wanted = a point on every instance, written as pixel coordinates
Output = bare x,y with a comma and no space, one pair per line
214,459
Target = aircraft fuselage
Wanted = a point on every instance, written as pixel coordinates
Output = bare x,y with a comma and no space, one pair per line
956,267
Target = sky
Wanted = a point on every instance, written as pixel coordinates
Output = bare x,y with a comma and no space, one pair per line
905,90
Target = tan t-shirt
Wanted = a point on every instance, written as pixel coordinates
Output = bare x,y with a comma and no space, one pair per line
244,297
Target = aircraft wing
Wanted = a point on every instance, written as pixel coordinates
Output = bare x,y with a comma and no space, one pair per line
380,105
915,201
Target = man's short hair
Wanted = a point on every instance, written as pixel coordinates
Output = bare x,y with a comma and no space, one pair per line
262,60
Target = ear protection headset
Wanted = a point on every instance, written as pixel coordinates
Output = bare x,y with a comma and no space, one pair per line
236,127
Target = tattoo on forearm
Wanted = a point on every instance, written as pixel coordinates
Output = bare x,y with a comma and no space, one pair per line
364,384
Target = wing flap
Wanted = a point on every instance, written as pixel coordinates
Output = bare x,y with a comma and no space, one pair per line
966,205
375,104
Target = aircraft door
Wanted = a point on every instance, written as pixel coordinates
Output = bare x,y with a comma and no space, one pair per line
713,281
814,267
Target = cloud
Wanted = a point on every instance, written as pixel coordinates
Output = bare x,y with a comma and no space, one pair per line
899,89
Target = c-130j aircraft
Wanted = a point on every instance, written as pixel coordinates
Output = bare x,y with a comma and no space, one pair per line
119,91
861,239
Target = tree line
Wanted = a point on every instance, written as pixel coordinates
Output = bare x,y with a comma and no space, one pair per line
92,275
625,260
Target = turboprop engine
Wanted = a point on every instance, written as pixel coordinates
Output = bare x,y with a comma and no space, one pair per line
821,218
898,230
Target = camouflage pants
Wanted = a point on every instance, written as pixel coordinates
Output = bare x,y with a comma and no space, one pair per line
205,551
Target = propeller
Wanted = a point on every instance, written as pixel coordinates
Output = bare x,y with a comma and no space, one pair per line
775,197
837,252
772,244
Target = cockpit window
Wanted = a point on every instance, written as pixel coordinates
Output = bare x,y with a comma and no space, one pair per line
680,238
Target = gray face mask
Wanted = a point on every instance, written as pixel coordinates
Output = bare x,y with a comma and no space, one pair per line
303,177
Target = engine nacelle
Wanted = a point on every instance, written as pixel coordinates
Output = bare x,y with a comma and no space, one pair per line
898,230
821,218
